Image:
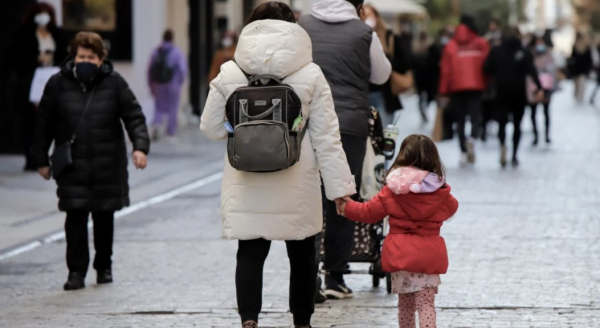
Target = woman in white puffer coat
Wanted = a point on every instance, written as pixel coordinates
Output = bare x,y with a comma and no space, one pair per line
286,205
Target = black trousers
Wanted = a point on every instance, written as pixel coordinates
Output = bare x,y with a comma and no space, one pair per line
546,115
76,230
29,117
339,232
517,110
592,99
467,104
426,96
251,258
486,116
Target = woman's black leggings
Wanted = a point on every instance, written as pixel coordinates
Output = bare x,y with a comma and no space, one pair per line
546,115
517,110
251,258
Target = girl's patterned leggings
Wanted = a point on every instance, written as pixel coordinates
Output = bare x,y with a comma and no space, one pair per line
422,301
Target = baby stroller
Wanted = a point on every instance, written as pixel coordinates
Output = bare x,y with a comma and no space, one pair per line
368,238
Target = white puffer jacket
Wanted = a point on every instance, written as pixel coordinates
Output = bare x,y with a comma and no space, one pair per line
284,205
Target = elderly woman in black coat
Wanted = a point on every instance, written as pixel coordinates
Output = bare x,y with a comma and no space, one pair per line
83,107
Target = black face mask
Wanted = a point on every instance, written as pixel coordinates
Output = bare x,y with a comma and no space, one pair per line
86,71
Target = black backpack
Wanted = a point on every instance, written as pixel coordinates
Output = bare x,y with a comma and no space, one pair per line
160,71
267,124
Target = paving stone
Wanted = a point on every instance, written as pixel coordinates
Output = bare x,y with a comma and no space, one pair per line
523,252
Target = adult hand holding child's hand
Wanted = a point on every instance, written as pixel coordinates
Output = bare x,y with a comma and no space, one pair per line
340,204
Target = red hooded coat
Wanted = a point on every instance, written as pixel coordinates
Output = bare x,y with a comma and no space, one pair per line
414,243
462,62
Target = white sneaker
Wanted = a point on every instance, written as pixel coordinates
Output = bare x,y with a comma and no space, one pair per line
470,152
464,159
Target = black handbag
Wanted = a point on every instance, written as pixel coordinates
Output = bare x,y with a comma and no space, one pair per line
62,157
376,131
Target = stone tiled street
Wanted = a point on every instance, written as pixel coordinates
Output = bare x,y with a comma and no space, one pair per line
524,248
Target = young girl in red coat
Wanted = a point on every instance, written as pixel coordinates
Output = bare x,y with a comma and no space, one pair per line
417,201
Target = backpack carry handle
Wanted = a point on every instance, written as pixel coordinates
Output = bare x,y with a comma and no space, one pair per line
244,108
256,78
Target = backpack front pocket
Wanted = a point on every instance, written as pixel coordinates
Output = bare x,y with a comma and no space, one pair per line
260,146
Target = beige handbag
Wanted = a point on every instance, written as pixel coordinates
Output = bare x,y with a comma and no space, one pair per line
438,127
401,83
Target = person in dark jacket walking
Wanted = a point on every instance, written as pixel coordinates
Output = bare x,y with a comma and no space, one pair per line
427,75
580,65
380,95
351,55
509,64
424,73
494,39
85,103
38,43
597,45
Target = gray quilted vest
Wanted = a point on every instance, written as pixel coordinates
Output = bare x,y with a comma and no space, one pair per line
342,50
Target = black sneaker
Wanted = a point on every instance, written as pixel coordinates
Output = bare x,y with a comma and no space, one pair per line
75,281
320,296
337,291
104,276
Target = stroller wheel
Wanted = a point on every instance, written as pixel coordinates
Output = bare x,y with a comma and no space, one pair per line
388,282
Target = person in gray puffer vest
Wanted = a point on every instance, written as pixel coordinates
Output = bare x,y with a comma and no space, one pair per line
350,55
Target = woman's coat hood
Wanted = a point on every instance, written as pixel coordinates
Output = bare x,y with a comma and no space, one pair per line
273,47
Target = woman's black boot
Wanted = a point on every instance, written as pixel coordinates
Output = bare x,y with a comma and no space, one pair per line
75,281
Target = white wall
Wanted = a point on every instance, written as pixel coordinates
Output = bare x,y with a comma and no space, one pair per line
544,14
235,15
149,22
178,20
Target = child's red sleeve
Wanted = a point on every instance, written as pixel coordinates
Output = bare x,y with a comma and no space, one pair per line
370,212
453,205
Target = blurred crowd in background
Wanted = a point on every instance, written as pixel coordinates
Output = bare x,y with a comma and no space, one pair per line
414,38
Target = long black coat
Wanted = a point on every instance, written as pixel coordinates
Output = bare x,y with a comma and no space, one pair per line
23,55
509,64
97,180
581,63
401,62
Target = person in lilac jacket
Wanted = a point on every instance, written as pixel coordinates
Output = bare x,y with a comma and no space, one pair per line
165,81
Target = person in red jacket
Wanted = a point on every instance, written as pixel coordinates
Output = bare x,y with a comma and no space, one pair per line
462,79
417,201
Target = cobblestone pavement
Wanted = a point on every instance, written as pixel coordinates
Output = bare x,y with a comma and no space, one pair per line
169,167
523,252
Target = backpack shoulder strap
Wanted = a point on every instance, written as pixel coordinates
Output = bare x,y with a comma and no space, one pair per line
248,76
253,78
